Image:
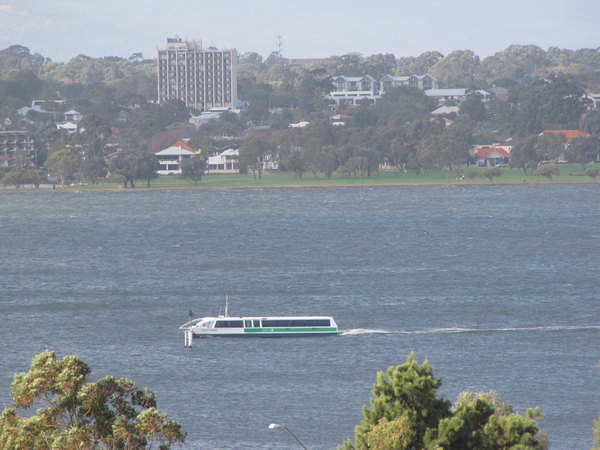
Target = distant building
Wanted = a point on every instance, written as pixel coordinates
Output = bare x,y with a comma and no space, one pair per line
307,61
490,156
501,93
170,158
353,90
16,148
442,95
423,82
202,79
443,110
568,134
69,127
225,162
73,116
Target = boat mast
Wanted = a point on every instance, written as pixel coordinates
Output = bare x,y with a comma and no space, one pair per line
226,304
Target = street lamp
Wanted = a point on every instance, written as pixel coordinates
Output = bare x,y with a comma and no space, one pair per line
277,426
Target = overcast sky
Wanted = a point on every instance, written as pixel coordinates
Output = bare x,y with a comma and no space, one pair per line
63,29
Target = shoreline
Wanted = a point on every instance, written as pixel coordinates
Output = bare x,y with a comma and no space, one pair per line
82,189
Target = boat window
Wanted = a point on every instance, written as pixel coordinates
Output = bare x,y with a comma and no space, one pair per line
229,324
257,324
296,323
247,324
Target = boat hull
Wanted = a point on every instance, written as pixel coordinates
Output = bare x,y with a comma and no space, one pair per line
249,333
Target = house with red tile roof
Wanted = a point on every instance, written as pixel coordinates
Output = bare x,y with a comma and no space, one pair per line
170,158
490,156
568,134
184,145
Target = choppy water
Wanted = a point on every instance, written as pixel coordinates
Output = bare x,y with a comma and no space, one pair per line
497,286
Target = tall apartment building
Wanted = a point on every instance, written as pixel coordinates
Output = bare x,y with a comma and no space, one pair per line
203,79
16,148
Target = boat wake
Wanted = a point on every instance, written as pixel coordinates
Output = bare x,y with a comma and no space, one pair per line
451,330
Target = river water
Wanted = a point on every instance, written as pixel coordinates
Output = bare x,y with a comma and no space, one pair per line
498,286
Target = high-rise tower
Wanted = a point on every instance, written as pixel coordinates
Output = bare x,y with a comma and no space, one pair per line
202,79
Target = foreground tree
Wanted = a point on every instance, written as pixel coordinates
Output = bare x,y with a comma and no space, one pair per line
74,413
404,395
405,413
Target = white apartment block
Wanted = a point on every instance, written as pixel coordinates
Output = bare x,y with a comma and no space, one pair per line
352,90
202,79
422,82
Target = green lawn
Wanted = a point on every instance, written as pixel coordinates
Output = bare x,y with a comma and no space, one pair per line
569,173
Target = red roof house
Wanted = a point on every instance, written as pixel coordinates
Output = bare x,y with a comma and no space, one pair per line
568,134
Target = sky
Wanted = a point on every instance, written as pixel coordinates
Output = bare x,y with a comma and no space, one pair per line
64,29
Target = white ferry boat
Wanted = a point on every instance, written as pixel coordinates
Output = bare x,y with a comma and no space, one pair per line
257,326
253,326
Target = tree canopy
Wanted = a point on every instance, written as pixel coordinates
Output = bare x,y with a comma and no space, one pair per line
74,413
405,412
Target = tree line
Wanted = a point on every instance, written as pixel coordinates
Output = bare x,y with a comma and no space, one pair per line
117,97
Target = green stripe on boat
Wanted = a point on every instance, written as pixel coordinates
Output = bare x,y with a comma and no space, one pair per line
287,330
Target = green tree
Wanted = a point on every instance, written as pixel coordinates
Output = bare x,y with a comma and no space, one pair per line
63,164
474,108
592,172
550,147
192,169
406,391
554,103
481,421
402,105
15,177
420,65
133,164
460,68
547,170
517,62
296,162
491,172
591,122
583,150
445,151
323,160
405,413
74,413
524,154
253,153
364,117
36,177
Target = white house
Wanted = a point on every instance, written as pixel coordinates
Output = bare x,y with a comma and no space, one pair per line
226,162
67,126
441,95
73,116
443,110
170,159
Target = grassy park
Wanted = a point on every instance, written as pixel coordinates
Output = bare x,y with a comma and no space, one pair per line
569,173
